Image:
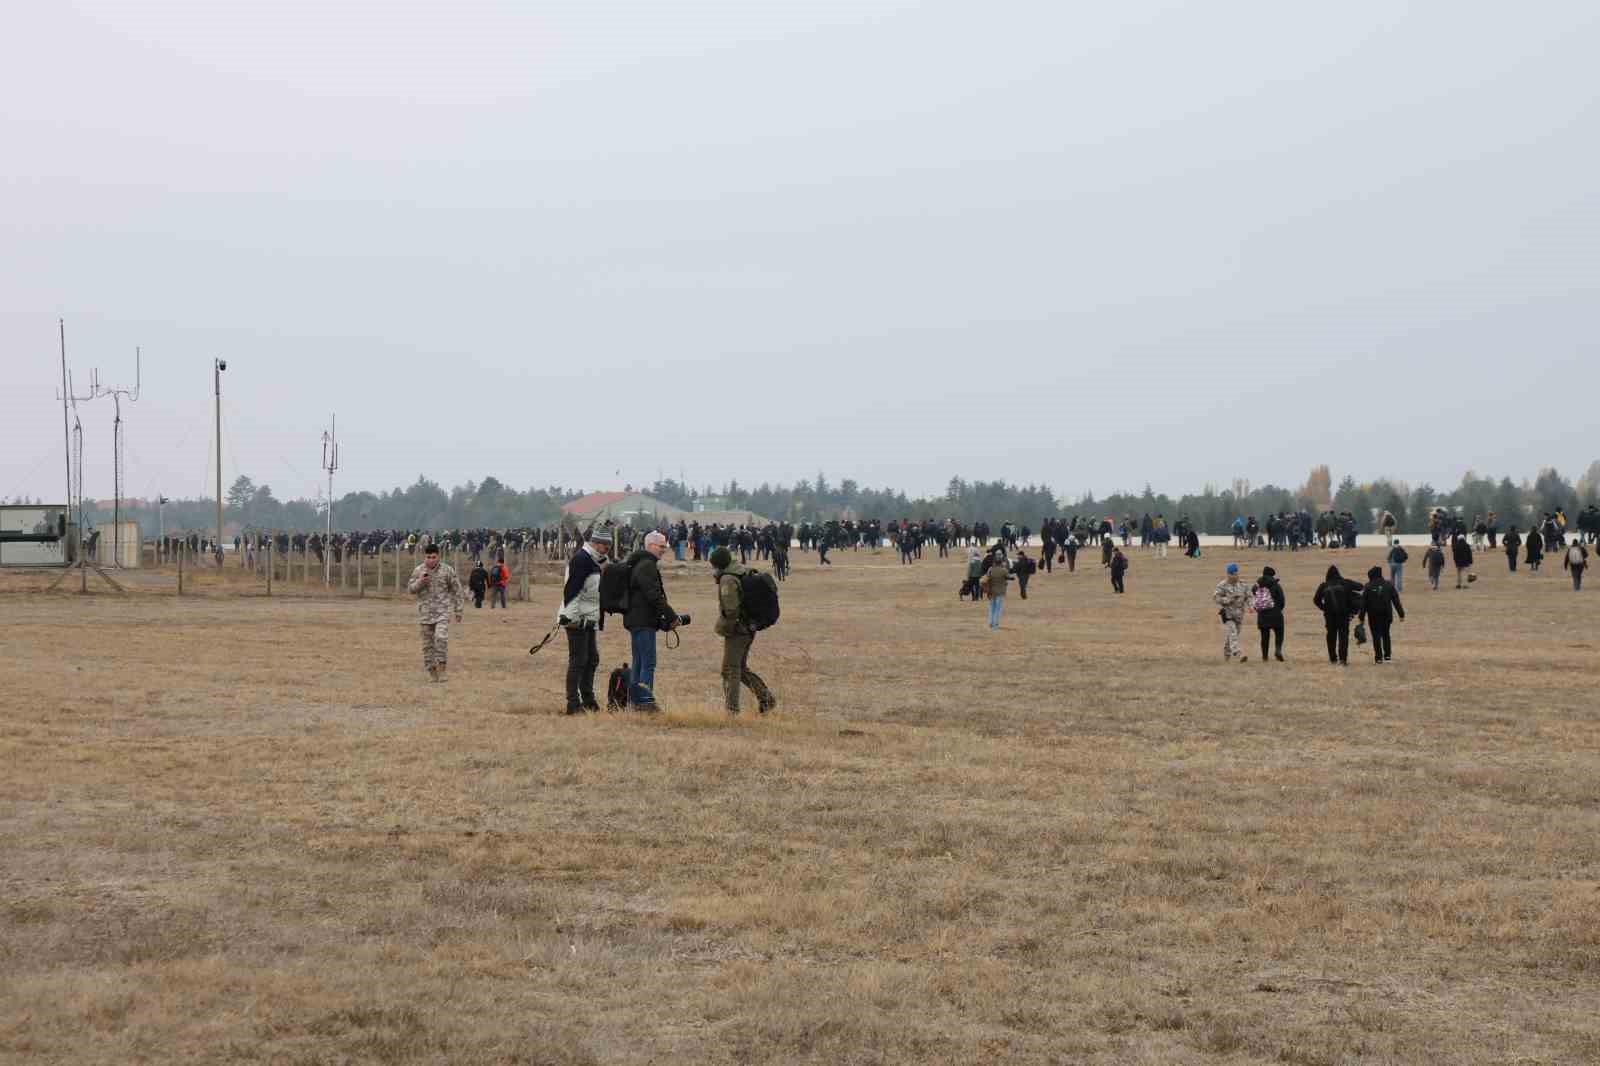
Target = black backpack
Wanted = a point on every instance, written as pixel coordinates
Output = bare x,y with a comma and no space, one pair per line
1399,555
615,580
617,689
1336,597
758,600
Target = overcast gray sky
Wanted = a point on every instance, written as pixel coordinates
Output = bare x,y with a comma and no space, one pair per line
1092,245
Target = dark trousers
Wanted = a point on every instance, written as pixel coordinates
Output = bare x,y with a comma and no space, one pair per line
583,659
1379,624
1116,581
1275,629
1072,562
1338,638
1049,557
1022,585
477,599
1577,578
1511,560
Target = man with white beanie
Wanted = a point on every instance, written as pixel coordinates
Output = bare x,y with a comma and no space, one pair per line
648,612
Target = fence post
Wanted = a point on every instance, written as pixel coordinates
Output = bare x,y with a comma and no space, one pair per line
180,573
268,560
361,589
397,569
523,565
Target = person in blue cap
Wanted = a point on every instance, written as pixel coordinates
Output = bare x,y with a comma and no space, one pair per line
1231,598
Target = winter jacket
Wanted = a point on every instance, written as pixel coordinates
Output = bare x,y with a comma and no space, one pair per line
1461,552
478,580
1380,599
1535,545
730,602
995,579
1576,558
1327,598
647,599
580,595
1272,616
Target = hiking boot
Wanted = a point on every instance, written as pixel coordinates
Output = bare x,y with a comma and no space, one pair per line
432,672
591,704
1279,657
574,708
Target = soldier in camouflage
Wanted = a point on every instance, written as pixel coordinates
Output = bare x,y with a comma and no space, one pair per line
439,595
1231,597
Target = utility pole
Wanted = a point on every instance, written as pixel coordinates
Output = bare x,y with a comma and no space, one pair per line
118,448
217,367
330,463
66,433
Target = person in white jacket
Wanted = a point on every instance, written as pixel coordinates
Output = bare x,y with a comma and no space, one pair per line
580,617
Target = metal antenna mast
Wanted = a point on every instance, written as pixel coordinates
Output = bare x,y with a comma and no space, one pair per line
330,463
74,436
117,448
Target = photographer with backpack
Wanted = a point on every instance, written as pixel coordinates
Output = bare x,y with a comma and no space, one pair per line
1336,599
747,602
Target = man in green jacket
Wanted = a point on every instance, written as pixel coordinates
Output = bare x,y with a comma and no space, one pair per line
736,634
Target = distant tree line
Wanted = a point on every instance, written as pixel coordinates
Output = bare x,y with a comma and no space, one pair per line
491,503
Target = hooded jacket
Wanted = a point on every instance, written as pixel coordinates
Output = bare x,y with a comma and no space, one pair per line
1329,600
1269,618
1461,552
647,599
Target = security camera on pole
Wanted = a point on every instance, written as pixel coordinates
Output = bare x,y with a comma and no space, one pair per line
330,463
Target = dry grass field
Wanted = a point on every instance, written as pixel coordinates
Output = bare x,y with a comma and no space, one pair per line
247,830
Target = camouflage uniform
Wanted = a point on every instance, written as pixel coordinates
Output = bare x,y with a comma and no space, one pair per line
436,601
1232,597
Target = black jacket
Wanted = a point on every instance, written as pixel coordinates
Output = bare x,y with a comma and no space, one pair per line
1461,552
478,580
647,599
1380,599
1327,599
1269,618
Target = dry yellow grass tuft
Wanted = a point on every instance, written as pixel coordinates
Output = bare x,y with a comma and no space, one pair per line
241,829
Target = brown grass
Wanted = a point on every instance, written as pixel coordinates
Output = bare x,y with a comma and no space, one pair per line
240,829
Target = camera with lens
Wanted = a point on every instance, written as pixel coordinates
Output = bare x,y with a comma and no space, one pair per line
669,622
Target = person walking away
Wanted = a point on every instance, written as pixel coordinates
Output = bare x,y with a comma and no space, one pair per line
1380,602
1535,548
580,617
737,635
499,578
1461,553
1336,599
648,613
1070,551
439,595
1119,567
1397,563
1107,546
1433,564
1575,562
1231,598
1267,600
995,579
1512,542
1024,568
974,575
478,583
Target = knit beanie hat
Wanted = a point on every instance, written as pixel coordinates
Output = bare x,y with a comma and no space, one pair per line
721,558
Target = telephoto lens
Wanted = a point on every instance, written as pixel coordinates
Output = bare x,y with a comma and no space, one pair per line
683,619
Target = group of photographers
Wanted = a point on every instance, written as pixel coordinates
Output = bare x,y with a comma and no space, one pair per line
648,613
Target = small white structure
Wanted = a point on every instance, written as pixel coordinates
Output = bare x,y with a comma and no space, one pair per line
35,535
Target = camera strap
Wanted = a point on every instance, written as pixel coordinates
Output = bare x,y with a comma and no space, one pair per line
547,638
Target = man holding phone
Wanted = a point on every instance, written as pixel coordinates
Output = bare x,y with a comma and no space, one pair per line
439,595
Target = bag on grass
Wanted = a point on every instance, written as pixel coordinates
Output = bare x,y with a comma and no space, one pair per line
617,688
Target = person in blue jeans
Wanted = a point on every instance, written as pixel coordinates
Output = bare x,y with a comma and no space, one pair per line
995,579
648,613
1397,564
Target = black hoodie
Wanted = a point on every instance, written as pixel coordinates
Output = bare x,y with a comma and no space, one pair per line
1337,597
1273,615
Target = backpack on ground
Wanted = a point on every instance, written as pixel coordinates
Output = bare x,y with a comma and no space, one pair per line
617,688
615,581
1262,599
758,600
